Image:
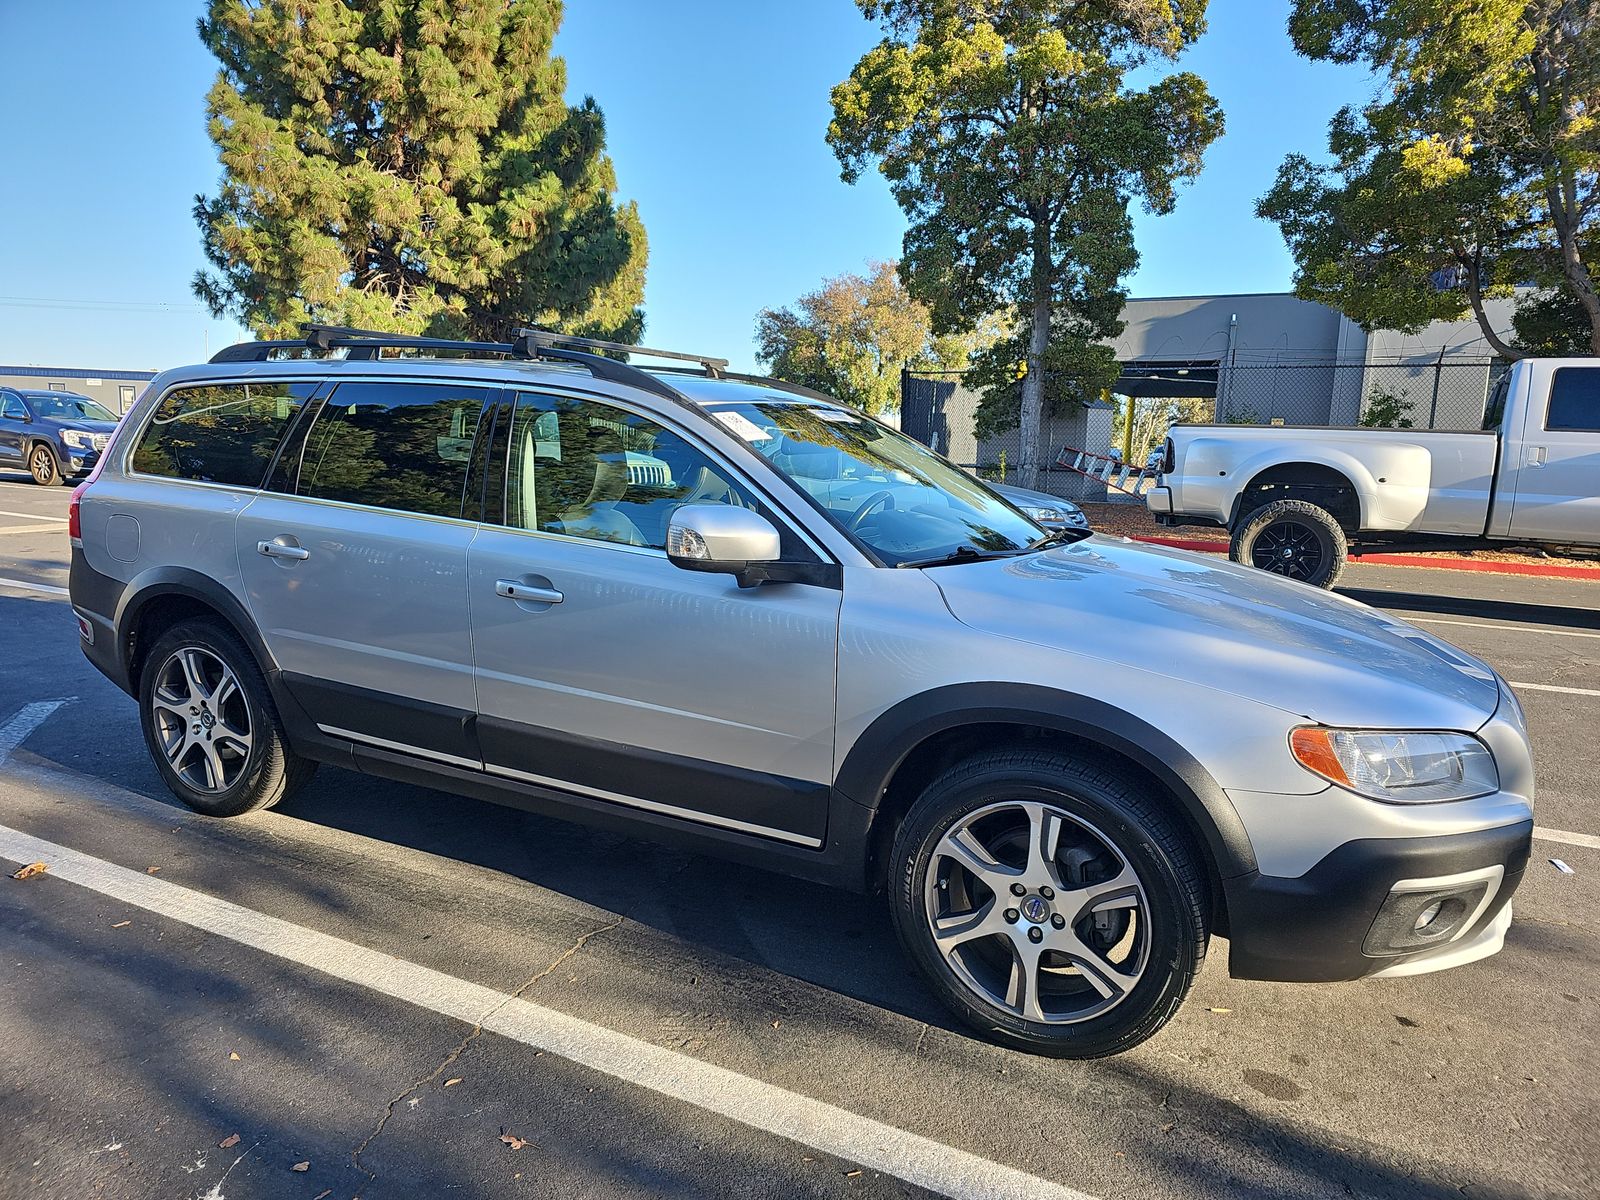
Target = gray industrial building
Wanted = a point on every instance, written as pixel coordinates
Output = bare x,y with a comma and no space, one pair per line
1259,358
117,390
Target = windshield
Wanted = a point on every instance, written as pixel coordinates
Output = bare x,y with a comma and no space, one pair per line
889,491
71,407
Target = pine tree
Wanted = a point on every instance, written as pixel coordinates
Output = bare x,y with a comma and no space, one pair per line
412,166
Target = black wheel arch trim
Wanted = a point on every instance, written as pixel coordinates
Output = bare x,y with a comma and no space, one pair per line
158,582
871,764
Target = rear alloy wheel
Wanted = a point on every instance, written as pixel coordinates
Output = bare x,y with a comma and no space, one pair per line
42,465
1051,904
1292,538
210,724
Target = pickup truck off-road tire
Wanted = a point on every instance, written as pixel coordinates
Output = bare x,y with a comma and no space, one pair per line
1052,905
1293,538
211,726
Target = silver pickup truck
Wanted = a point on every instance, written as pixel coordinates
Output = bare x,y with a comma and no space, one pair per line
1299,501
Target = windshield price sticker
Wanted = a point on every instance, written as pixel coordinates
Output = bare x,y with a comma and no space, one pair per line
743,426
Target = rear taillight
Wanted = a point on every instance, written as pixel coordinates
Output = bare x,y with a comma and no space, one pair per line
74,526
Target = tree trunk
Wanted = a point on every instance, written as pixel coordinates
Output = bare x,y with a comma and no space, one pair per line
1470,267
1031,417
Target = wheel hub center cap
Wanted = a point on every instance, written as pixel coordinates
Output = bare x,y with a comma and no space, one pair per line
207,719
1036,909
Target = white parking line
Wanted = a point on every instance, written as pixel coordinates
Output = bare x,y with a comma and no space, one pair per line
6,512
1550,687
28,718
1501,628
1571,839
762,1106
28,529
49,589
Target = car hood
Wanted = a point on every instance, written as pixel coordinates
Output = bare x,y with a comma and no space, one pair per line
1172,613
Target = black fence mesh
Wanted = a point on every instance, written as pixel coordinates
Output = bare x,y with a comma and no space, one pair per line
1418,394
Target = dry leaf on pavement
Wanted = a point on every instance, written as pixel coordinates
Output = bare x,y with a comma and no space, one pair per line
151,870
301,1166
233,1056
29,871
229,1142
452,1082
512,1140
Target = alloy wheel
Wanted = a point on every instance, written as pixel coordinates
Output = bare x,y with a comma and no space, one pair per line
1289,548
1037,912
42,465
202,722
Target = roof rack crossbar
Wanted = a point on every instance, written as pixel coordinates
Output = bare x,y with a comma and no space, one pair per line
364,345
546,338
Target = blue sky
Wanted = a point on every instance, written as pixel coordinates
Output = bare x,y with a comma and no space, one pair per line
716,111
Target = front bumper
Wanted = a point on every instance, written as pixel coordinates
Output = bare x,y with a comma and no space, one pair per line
1354,913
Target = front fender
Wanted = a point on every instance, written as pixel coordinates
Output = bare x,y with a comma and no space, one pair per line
884,746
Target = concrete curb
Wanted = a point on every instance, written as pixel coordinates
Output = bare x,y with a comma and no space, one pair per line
1547,570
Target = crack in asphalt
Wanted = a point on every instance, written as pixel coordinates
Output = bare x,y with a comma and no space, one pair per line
916,1051
461,1048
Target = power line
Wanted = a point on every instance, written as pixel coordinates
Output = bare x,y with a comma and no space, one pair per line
86,304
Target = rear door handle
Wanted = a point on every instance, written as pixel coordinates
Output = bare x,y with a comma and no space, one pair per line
279,550
512,590
1536,456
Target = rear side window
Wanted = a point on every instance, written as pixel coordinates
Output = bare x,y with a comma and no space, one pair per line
226,433
405,446
1575,400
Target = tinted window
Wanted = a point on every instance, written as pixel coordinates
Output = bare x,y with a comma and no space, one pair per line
405,446
11,408
1575,400
225,434
589,470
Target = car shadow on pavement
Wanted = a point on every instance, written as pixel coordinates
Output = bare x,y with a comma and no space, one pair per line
1510,611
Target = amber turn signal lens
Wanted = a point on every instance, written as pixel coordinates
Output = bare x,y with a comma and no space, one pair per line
1314,750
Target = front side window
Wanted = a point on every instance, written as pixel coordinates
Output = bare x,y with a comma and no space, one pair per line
405,446
888,491
11,409
1575,400
589,470
73,408
221,434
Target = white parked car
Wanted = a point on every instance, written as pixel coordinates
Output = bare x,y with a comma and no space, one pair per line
1300,500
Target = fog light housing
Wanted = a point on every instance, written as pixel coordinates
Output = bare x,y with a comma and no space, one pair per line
1419,914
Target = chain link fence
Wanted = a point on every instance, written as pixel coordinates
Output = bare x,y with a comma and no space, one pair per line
1438,394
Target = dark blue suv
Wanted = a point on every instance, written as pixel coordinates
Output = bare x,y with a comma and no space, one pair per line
55,435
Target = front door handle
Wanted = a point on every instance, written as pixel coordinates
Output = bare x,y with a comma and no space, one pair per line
1536,456
279,550
512,590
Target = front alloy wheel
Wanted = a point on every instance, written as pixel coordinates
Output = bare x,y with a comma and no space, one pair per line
1052,903
1035,910
42,465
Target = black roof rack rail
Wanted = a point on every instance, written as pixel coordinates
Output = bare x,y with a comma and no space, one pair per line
771,381
715,368
364,345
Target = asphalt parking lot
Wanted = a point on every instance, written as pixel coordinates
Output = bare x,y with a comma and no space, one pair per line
419,995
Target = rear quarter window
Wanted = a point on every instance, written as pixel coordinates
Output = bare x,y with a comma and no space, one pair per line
223,433
1575,400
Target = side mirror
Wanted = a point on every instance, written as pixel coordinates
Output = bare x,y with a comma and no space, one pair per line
721,538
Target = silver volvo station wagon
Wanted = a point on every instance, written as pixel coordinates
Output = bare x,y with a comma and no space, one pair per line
732,613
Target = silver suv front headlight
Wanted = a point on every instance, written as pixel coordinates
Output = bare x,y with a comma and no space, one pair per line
1399,768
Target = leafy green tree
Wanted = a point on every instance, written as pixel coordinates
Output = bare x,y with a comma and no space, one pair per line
1474,170
1011,142
854,335
410,165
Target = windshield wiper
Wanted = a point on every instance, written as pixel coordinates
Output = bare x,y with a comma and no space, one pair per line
962,553
1061,537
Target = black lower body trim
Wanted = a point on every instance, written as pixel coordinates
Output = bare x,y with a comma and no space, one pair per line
754,801
1311,929
410,725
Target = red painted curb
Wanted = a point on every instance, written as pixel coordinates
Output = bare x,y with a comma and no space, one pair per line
1548,570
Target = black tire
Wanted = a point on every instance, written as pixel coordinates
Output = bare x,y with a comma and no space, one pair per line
258,779
1292,538
1173,917
43,465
